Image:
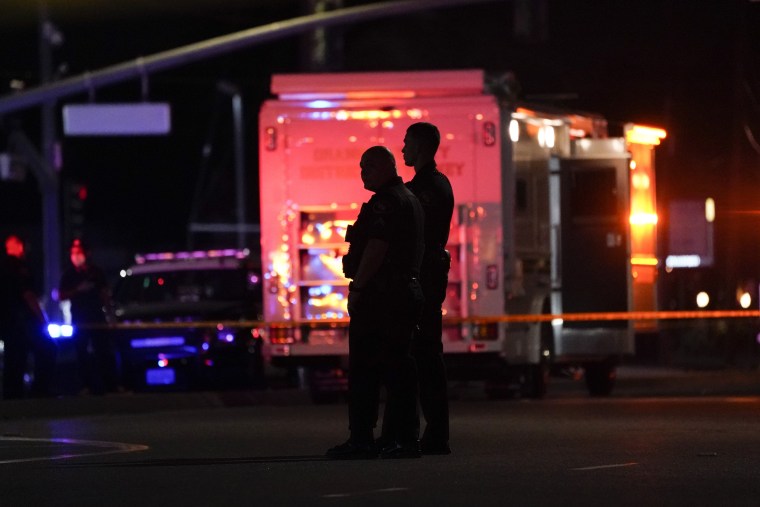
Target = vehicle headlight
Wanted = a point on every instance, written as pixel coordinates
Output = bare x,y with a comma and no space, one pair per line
225,335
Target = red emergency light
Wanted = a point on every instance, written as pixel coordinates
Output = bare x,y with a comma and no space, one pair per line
336,86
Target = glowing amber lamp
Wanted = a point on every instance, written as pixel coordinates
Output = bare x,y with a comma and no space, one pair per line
639,134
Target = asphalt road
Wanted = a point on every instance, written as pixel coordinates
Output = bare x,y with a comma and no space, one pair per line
229,449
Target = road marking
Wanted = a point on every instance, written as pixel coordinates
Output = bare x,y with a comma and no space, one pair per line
360,493
601,467
103,448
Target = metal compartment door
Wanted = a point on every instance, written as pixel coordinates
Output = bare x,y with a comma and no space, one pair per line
594,237
592,264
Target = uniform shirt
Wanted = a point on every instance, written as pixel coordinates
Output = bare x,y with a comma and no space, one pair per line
86,306
395,216
16,280
433,189
11,289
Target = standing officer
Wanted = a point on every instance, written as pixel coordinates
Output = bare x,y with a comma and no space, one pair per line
85,285
23,323
386,246
434,191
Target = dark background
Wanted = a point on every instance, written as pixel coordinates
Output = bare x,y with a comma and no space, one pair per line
690,67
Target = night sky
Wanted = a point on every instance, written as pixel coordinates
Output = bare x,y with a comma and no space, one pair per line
690,67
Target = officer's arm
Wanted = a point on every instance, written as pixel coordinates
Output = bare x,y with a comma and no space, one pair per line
31,301
372,259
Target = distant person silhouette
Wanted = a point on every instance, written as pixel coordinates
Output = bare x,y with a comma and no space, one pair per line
22,326
84,284
384,299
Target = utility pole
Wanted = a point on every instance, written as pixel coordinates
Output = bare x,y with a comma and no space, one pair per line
322,48
736,173
47,178
241,228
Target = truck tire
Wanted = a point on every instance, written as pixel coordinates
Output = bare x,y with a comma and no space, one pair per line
537,375
600,378
536,380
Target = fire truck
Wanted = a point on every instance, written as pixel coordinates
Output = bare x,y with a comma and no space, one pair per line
552,217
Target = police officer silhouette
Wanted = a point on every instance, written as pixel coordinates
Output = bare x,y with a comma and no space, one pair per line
434,191
383,261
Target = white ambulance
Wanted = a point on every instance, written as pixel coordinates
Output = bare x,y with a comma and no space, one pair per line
552,217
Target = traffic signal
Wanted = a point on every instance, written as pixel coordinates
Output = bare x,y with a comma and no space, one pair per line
74,210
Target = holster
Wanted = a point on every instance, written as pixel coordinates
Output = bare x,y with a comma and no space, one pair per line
355,249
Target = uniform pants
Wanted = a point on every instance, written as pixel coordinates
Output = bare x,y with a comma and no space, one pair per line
98,367
427,350
22,338
14,362
45,353
380,335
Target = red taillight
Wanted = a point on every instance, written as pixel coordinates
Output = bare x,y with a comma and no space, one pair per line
270,138
281,336
489,133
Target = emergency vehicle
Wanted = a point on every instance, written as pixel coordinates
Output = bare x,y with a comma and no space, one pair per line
552,217
181,318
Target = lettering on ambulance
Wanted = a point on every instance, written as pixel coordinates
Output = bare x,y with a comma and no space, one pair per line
337,154
328,172
332,163
342,157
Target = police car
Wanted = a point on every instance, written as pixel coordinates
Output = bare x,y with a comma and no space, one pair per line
187,320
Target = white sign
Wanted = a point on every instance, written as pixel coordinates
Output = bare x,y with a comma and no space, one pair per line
127,119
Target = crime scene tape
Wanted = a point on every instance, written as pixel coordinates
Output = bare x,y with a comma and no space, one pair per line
522,318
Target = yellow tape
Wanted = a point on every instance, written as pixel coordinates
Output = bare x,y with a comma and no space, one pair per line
524,318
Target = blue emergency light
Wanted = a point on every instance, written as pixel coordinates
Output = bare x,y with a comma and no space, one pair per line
60,331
